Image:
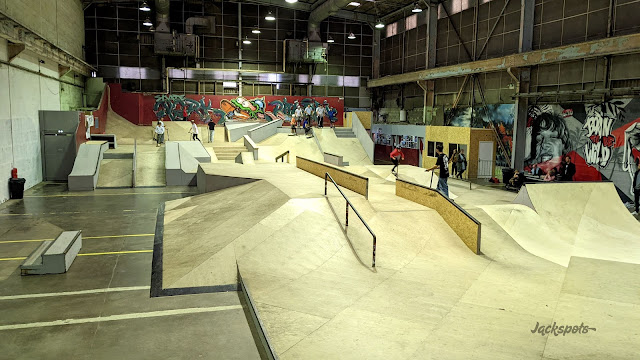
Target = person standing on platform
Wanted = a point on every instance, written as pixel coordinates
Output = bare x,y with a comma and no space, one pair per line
320,115
159,133
212,128
462,163
308,111
454,162
568,169
443,164
396,155
194,131
185,114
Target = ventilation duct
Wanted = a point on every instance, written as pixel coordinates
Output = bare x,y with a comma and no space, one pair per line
322,12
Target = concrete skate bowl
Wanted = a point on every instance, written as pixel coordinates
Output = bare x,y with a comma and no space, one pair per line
556,221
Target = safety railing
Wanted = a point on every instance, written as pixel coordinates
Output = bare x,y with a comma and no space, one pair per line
349,204
281,156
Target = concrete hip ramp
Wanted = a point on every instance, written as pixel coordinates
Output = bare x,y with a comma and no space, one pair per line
556,221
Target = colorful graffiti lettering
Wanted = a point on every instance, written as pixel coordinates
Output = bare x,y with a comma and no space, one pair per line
241,108
598,126
172,107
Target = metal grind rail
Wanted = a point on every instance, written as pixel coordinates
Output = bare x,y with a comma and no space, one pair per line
327,176
281,156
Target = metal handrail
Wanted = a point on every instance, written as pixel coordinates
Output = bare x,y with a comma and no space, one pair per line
326,175
281,156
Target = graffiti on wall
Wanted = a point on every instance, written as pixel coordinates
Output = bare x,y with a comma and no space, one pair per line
603,140
238,109
172,106
498,116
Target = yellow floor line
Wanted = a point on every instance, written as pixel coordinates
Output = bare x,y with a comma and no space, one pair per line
90,254
84,237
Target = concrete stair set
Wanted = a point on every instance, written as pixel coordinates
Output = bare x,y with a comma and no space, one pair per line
53,256
228,151
344,133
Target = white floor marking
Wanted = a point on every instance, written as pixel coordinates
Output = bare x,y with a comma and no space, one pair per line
120,317
79,292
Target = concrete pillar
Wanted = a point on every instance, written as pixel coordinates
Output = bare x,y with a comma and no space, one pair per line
432,34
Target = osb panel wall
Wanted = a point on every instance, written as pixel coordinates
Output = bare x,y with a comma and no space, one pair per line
343,178
478,135
365,118
463,224
446,135
347,120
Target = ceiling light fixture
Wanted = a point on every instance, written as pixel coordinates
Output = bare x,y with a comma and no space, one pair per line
354,3
351,36
330,40
255,30
147,22
416,9
270,16
246,40
291,1
379,24
145,6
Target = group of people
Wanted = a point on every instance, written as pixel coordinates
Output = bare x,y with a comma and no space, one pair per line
565,172
305,117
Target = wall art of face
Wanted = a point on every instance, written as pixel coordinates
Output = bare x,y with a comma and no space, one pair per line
549,139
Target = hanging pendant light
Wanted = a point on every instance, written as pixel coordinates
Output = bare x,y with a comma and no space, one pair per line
417,8
330,40
147,22
351,36
246,40
255,30
270,16
145,6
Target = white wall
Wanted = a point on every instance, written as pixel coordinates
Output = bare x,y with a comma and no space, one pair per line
26,93
362,135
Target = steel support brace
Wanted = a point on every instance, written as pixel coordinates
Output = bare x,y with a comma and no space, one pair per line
625,44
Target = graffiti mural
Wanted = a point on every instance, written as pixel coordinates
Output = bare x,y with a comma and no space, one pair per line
171,107
603,140
498,116
259,109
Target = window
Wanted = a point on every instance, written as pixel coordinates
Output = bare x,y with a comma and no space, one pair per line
431,149
392,29
452,148
411,22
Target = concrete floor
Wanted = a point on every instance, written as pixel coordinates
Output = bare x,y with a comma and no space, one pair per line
112,315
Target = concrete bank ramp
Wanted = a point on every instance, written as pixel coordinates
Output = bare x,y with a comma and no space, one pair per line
181,161
86,168
559,220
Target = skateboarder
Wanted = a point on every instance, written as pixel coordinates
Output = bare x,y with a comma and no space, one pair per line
159,133
443,164
194,130
320,115
396,155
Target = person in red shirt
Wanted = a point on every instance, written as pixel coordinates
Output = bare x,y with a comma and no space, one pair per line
396,155
185,114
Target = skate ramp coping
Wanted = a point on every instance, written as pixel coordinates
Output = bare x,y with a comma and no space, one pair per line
460,221
86,167
351,181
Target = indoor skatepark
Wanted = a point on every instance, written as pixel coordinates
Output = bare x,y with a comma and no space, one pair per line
265,244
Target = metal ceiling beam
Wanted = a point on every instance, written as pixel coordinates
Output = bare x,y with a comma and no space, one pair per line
625,44
29,40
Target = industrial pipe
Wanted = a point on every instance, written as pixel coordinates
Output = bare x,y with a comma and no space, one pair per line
322,12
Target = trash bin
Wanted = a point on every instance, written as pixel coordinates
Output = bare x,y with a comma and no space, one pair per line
16,188
507,174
